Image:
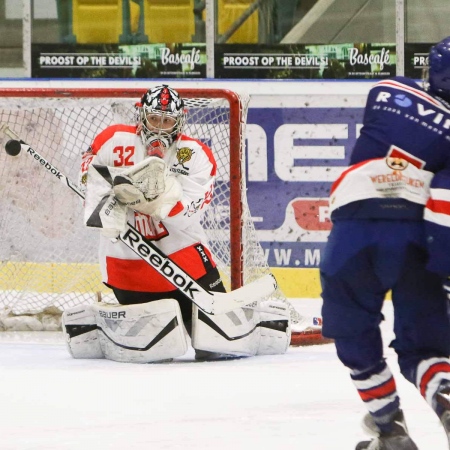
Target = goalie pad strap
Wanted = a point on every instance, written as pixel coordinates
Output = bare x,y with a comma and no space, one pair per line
79,328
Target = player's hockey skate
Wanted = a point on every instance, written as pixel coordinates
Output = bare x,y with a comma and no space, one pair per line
306,330
397,439
443,398
445,419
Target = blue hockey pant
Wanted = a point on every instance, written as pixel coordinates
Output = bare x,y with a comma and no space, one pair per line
363,260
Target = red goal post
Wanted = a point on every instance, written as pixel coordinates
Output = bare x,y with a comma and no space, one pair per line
44,245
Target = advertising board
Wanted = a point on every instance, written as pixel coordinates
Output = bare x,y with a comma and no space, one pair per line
293,156
299,136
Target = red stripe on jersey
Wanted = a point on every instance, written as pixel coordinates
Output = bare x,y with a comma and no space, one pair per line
137,275
208,153
108,133
438,206
176,209
336,184
378,392
430,373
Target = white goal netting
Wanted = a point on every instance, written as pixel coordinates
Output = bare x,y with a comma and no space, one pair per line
48,259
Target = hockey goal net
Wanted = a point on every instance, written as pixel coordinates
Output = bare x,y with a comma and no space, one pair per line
48,258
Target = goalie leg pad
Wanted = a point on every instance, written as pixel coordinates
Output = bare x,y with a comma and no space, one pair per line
79,327
142,333
264,330
231,334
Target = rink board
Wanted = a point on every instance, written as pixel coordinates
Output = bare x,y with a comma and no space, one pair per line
59,278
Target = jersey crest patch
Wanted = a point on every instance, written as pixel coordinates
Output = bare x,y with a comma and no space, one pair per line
184,154
396,163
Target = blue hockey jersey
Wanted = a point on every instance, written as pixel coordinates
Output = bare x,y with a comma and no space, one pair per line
400,165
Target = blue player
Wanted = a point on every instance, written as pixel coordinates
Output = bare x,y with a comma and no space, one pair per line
391,231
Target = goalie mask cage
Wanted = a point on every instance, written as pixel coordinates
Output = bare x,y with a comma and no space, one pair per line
48,258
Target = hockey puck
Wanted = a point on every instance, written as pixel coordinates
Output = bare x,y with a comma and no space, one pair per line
13,147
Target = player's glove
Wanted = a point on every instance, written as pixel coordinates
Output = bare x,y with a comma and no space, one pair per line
141,183
160,208
113,217
148,189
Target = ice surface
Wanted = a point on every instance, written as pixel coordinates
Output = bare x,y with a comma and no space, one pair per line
301,400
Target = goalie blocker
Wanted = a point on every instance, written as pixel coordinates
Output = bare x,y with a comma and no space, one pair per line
154,332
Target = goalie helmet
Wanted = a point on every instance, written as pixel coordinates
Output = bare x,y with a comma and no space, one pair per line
439,69
161,117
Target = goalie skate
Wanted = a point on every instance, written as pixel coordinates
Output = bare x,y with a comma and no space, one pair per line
443,399
306,330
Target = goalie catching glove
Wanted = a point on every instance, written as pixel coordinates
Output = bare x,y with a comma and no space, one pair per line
148,189
107,208
141,183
